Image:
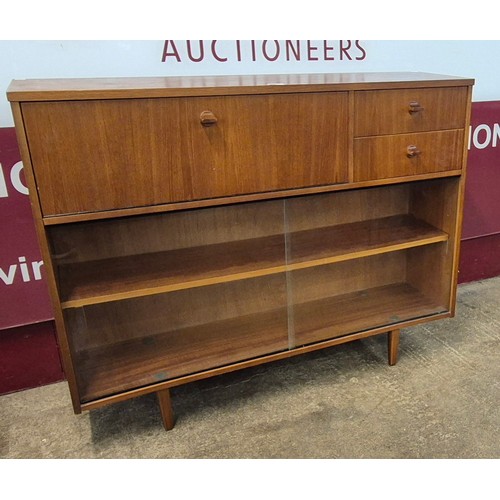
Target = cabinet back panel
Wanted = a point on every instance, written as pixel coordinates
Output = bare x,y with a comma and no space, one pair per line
436,202
87,241
124,153
346,277
343,207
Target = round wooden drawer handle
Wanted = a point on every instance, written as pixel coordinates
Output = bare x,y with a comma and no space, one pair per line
412,151
414,107
207,119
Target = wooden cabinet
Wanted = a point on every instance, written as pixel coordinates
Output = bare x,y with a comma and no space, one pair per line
195,226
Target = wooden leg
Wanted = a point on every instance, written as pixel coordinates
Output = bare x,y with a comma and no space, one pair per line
167,415
393,345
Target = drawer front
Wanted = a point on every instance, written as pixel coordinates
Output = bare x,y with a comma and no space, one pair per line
382,112
407,154
112,154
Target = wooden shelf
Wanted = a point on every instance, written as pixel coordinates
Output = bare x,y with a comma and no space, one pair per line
327,245
94,282
151,359
137,363
354,312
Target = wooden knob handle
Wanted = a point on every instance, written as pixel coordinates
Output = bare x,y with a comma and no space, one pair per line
412,151
207,119
414,107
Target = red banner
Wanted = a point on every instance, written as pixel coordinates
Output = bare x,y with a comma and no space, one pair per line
24,296
482,194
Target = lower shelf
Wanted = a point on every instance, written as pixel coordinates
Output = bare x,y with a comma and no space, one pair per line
128,365
358,311
152,359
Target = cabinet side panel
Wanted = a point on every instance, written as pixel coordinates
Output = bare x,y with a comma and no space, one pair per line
436,202
119,321
460,202
346,277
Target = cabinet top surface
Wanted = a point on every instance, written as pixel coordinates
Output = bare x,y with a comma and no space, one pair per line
136,87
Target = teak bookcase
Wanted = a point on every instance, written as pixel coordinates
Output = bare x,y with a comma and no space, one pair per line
195,226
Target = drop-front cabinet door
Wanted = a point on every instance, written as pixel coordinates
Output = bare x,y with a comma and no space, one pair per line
108,154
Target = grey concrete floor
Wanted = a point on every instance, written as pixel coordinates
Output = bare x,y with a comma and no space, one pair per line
440,401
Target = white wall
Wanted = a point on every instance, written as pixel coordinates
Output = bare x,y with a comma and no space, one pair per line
54,59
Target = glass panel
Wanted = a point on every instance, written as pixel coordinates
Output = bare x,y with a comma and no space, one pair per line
356,295
367,258
135,256
123,345
156,297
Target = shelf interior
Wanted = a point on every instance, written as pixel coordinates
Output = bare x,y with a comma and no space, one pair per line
150,359
161,297
138,362
357,311
91,282
327,245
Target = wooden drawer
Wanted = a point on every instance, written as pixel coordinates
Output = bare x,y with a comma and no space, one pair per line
99,155
382,112
407,154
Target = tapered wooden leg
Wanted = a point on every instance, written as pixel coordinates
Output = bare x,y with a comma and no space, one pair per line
393,345
167,414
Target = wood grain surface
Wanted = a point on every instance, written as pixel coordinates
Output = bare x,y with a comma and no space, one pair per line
386,156
106,155
93,282
383,112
